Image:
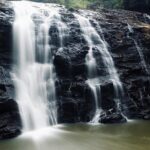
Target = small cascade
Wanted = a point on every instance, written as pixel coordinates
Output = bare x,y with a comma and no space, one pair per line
93,81
138,48
147,17
33,71
63,32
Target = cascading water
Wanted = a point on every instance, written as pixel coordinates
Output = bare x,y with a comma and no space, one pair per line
34,72
146,16
139,50
35,78
93,81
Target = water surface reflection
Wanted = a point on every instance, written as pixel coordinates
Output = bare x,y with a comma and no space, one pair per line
132,136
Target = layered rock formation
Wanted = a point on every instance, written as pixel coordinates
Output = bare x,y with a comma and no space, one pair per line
74,97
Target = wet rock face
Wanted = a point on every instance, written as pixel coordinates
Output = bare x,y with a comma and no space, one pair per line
78,106
10,122
134,76
74,97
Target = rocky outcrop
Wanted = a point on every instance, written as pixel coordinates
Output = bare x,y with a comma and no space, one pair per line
74,97
10,119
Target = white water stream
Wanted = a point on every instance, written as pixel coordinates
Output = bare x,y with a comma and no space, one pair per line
138,48
35,81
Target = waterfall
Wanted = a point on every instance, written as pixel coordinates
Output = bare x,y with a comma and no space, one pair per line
35,78
36,28
94,40
138,48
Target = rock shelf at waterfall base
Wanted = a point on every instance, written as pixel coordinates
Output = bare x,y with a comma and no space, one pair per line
74,97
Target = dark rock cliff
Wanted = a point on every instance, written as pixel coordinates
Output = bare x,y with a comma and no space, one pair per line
127,60
74,98
137,5
10,122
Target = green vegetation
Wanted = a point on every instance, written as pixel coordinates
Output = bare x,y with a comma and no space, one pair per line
76,3
88,3
112,3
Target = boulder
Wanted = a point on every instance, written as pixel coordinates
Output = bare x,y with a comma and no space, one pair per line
10,121
108,117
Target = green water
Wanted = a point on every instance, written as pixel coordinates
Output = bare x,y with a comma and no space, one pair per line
131,136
